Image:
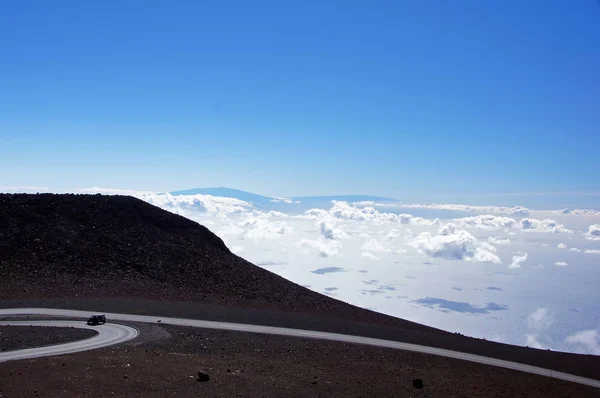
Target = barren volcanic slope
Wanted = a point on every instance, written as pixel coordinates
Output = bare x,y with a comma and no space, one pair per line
120,254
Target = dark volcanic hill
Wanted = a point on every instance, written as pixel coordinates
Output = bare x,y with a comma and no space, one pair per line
118,246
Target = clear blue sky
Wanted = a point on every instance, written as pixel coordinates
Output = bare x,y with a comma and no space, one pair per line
393,98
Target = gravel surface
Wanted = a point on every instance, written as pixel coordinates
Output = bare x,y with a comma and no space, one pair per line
19,337
249,365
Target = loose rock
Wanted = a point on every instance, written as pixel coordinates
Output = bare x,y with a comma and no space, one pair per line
203,377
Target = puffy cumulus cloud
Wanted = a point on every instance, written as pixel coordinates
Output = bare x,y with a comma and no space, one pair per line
412,220
545,226
345,211
518,259
455,244
324,248
487,222
561,246
540,319
370,256
330,232
315,214
498,240
262,229
575,249
593,232
592,251
560,264
589,340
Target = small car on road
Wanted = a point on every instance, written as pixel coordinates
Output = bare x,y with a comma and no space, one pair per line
97,320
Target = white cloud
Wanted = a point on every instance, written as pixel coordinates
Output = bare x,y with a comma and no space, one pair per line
330,232
560,264
516,211
282,200
589,339
370,255
392,234
375,246
192,204
575,249
546,226
324,248
498,240
455,244
592,251
262,229
540,319
316,214
518,259
531,341
344,211
269,214
412,220
237,249
579,212
561,246
593,232
487,222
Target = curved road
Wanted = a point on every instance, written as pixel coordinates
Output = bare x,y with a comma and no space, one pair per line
286,332
108,334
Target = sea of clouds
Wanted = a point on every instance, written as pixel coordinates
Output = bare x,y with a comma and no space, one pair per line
513,275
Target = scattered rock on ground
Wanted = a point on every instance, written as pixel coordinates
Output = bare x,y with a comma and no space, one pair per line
202,377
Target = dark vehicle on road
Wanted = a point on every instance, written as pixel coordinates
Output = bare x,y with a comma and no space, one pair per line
97,320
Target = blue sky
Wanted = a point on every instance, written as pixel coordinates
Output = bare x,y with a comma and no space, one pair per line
427,99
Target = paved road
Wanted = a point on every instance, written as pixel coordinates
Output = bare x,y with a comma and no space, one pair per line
108,334
307,334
